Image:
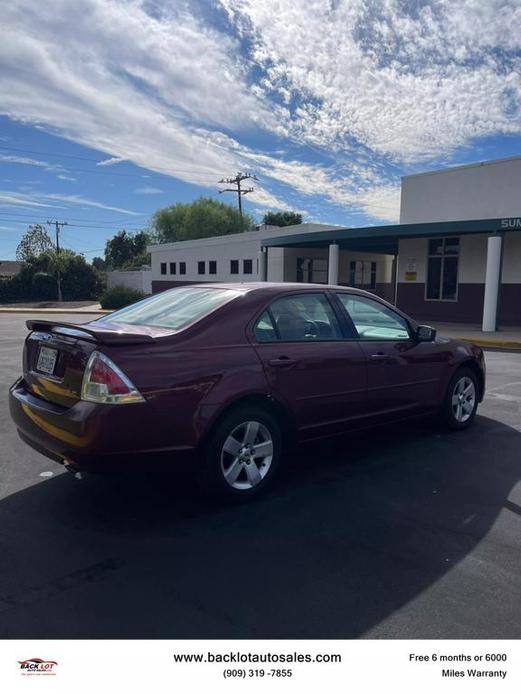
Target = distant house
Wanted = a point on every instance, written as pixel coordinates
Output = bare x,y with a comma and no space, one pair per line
9,268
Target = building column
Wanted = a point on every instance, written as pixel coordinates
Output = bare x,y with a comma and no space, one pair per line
332,269
263,264
492,283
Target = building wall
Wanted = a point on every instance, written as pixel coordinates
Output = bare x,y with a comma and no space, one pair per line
468,308
489,190
222,249
281,262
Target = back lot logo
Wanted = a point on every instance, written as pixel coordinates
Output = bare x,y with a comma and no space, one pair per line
37,666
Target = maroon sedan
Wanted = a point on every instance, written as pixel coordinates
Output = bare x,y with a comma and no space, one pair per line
228,373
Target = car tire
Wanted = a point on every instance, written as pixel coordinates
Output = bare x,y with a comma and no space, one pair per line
461,400
241,455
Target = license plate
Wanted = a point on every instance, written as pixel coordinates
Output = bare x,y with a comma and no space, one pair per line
46,360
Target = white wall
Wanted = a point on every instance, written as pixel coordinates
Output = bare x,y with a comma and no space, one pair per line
222,249
472,258
134,279
489,190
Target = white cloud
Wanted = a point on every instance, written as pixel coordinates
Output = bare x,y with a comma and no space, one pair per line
148,190
109,162
408,79
63,177
364,82
16,199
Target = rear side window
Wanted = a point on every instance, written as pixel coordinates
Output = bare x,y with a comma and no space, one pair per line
374,321
264,329
174,309
298,317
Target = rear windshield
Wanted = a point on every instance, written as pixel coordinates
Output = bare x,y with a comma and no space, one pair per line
175,308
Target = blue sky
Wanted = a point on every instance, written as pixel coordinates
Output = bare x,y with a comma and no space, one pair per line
110,109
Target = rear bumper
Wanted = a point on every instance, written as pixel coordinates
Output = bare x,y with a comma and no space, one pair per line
92,437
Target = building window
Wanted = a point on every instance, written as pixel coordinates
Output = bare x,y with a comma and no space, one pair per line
212,267
312,270
234,267
201,267
362,273
182,268
163,268
172,268
442,269
247,267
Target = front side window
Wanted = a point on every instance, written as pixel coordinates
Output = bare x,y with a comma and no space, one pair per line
299,317
174,309
247,267
442,269
212,267
201,267
234,267
373,320
163,268
182,268
172,268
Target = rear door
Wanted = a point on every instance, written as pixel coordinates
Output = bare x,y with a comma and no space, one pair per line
310,365
403,375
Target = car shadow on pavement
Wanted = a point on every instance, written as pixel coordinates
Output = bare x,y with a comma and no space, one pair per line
387,534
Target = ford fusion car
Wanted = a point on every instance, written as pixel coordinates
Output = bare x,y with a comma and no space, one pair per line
228,374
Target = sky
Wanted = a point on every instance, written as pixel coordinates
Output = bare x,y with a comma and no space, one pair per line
110,109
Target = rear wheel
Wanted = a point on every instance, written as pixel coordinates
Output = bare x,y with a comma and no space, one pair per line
461,400
241,454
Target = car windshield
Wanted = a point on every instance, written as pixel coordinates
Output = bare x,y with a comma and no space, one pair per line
175,308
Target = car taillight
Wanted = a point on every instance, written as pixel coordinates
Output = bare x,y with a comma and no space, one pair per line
104,382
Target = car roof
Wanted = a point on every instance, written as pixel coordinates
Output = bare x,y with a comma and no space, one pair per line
275,286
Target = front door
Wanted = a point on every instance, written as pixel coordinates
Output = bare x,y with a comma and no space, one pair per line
309,364
403,375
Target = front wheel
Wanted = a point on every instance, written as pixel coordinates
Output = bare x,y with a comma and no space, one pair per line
461,400
241,454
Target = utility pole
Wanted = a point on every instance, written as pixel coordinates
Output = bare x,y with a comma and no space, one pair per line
237,182
58,277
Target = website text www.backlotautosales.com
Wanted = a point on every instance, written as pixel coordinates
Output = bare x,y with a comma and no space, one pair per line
236,657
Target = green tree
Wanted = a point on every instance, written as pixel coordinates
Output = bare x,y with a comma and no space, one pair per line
37,279
199,219
282,219
124,249
36,240
99,264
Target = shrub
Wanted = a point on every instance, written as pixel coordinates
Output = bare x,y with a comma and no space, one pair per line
43,286
120,296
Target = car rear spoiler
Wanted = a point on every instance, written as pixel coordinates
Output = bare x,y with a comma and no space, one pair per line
90,333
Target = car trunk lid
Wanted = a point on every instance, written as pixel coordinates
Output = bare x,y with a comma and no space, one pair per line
56,354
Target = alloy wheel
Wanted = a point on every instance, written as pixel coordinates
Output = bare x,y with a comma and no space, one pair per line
246,455
463,399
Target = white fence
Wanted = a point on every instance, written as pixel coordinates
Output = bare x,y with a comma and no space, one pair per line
134,279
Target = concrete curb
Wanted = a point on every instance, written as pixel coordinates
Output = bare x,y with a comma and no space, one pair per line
497,344
70,311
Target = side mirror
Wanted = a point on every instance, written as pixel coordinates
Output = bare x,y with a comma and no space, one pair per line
424,333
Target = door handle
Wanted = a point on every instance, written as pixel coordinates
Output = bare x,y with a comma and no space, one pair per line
282,361
379,356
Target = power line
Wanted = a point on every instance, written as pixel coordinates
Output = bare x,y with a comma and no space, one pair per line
238,190
207,171
76,219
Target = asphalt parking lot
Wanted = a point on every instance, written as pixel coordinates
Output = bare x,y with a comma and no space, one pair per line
405,533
